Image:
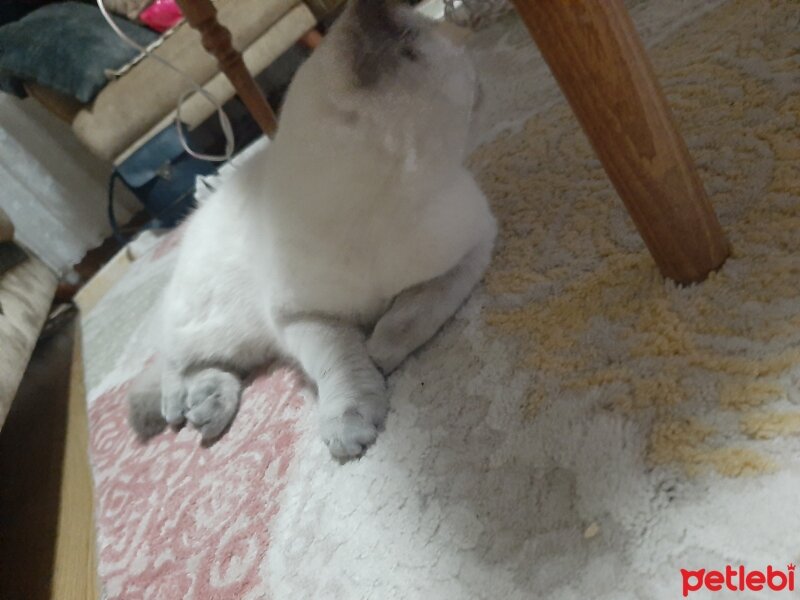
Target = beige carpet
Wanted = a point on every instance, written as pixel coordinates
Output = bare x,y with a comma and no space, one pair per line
709,368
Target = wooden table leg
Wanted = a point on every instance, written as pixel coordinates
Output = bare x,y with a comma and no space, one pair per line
202,16
601,65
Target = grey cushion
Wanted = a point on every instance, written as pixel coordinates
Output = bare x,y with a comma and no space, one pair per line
66,47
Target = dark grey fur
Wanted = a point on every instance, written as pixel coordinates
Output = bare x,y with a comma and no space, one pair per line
144,402
379,41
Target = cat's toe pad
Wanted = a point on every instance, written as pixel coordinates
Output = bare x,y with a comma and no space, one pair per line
212,401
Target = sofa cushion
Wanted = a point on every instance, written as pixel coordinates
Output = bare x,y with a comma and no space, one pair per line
323,8
128,107
26,292
257,57
127,8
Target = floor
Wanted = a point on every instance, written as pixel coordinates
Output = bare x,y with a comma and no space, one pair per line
46,532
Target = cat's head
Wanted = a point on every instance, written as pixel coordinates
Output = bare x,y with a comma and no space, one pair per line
382,38
383,73
381,53
386,43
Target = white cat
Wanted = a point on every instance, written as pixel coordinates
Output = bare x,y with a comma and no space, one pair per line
343,246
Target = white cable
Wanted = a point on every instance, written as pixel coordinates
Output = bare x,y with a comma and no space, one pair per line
224,122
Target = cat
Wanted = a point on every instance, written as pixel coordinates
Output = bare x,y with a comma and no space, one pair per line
343,246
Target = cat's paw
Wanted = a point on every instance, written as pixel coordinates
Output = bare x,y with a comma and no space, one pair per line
349,431
212,401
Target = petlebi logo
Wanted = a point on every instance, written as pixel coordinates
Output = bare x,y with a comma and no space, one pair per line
739,580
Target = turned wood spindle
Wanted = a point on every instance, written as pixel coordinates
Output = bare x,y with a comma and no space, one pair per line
202,16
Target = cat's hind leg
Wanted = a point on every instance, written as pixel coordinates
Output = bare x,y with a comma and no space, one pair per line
145,405
352,397
163,394
201,380
417,313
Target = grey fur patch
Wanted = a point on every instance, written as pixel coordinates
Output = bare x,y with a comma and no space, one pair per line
379,41
144,404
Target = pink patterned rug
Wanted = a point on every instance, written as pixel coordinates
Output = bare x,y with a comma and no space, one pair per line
175,519
175,504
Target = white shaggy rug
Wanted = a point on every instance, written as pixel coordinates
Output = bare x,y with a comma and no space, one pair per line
581,429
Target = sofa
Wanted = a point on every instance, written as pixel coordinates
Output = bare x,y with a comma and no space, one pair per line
132,108
26,291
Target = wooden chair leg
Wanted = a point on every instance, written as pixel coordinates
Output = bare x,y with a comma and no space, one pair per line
601,65
202,16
